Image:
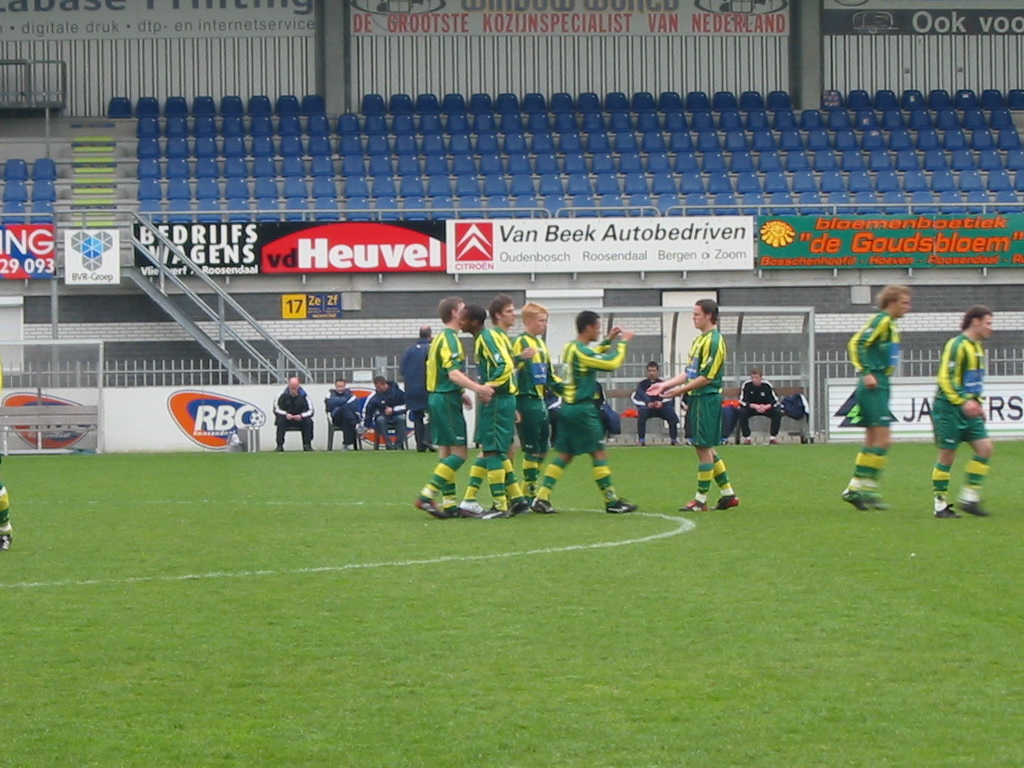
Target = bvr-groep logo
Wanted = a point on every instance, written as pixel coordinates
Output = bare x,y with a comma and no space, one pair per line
209,419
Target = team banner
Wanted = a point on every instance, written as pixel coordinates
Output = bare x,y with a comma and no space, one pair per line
92,257
885,242
351,247
669,244
216,249
910,404
570,17
915,17
26,251
155,19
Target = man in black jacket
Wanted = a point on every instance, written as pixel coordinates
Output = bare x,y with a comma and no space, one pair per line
660,407
414,375
293,410
385,411
758,398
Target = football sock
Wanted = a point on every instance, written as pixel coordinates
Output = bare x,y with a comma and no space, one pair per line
531,472
940,502
477,473
704,474
448,498
701,498
977,469
602,475
444,475
940,479
513,488
551,476
496,480
721,477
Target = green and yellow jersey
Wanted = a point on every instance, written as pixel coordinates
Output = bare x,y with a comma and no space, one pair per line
961,370
493,350
533,375
582,364
707,359
875,348
446,354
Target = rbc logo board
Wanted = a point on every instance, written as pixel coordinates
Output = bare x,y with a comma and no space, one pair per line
209,419
65,438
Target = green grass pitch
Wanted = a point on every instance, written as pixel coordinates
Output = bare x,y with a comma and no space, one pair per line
295,610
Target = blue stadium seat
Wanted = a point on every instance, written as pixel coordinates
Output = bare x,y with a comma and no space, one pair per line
730,120
665,184
769,161
825,160
264,166
290,146
991,98
261,125
895,202
713,162
1018,181
879,160
961,159
175,106
790,140
798,161
479,103
231,106
697,204
562,102
971,181
899,138
680,142
851,160
915,181
686,162
670,101
453,103
1007,201
934,160
842,139
657,162
177,146
911,100
707,142
776,100
207,189
576,184
178,168
630,162
1014,159
907,160
148,147
237,188
313,104
232,125
533,102
784,120
620,122
486,141
741,161
810,203
859,181
718,183
989,160
952,139
506,102
724,100
373,125
747,182
817,138
147,106
923,201
757,120
811,119
762,141
16,191
293,165
178,189
287,104
1008,139
735,141
259,105
519,163
429,122
675,122
974,119
692,183
751,100
887,181
204,125
566,122
149,168
697,101
725,204
648,122
892,118
965,98
939,98
400,104
837,119
951,200
669,202
147,127
373,104
831,99
381,187
702,121
775,182
208,168
999,118
945,119
942,181
872,139
832,181
119,107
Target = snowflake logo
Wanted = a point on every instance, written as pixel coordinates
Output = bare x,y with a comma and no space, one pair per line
92,246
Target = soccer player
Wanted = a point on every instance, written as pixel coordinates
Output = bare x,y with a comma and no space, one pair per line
957,413
579,422
6,531
502,312
446,385
534,376
702,383
875,353
495,422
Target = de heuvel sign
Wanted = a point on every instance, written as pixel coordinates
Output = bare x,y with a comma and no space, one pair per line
352,247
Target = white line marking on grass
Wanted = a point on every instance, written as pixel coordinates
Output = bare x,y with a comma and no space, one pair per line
684,525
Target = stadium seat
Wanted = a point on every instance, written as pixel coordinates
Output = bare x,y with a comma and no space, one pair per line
832,181
1014,159
713,162
119,107
798,161
741,161
923,201
974,119
825,160
989,160
776,100
730,120
991,98
697,204
851,160
702,121
15,169
899,138
313,104
831,99
147,106
691,183
907,160
697,101
915,181
810,203
942,181
911,100
939,99
998,181
724,100
935,160
971,181
879,160
817,138
680,142
259,105
400,104
790,140
686,162
757,120
951,200
1008,139
887,181
952,139
718,183
859,181
784,120
373,104
811,119
506,102
669,101
961,159
762,141
751,100
838,119
453,103
892,118
1007,201
231,106
769,161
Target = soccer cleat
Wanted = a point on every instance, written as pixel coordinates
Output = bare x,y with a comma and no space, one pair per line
874,501
520,507
728,502
747,441
5,542
773,441
641,442
694,506
428,506
473,508
972,508
468,513
946,511
856,498
494,514
542,507
620,507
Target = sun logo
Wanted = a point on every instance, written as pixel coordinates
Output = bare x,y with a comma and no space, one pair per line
777,233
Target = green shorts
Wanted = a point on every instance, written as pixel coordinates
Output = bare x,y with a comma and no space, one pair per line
579,429
447,422
874,404
706,420
951,427
534,428
495,423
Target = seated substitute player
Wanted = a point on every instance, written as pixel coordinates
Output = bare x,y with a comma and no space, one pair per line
702,382
957,413
579,421
875,354
341,404
385,412
446,382
649,407
536,377
758,398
